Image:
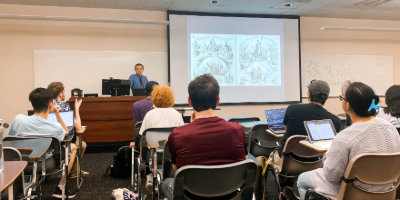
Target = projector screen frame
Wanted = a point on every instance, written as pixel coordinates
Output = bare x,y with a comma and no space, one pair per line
169,12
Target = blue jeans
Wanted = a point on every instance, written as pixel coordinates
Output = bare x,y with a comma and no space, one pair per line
304,183
167,188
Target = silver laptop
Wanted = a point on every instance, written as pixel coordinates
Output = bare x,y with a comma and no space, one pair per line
275,120
321,132
67,117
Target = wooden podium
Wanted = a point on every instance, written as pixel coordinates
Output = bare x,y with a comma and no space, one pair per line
109,119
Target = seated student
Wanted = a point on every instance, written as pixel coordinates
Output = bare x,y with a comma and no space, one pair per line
59,95
296,114
208,139
140,108
163,115
37,125
366,135
391,113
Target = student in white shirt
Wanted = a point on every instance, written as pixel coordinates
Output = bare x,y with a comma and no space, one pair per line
391,113
161,115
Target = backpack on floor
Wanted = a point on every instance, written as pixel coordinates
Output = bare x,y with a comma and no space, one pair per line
121,167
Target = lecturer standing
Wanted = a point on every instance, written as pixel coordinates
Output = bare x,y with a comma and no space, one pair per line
138,80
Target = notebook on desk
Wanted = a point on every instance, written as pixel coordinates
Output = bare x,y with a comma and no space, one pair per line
275,120
67,117
321,132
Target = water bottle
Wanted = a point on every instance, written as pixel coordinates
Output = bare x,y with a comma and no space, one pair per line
1,147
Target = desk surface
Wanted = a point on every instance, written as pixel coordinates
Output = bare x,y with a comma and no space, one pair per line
313,146
12,169
69,137
229,118
38,146
275,135
251,124
251,157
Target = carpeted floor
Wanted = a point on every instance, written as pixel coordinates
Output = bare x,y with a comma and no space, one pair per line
99,187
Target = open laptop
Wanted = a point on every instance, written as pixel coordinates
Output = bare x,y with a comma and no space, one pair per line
275,120
67,117
321,132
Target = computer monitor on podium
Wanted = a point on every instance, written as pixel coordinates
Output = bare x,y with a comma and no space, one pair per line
116,87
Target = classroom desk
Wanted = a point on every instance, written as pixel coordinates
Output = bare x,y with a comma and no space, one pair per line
273,134
229,118
39,147
252,124
110,118
313,146
12,169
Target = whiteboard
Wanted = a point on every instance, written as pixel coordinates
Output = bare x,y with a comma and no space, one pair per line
374,70
86,69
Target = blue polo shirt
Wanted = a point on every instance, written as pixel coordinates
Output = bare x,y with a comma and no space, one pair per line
135,81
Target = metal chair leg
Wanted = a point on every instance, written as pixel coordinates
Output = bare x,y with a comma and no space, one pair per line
139,179
64,177
154,175
133,169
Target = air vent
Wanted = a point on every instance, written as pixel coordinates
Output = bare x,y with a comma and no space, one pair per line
372,2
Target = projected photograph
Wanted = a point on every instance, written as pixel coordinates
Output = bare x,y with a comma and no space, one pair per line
214,54
237,60
258,60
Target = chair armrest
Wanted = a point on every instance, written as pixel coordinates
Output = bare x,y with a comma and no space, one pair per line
315,195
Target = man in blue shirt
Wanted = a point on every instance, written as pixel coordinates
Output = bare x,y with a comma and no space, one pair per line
138,80
37,125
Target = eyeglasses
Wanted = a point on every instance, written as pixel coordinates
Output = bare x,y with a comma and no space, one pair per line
342,98
312,81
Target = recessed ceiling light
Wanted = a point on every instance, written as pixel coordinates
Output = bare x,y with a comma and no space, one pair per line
214,2
289,5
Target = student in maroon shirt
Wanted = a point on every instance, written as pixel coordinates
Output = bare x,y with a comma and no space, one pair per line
208,139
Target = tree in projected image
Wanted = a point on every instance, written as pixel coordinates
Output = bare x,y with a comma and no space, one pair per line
214,54
259,60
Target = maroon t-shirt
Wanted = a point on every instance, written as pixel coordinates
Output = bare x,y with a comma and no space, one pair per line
207,141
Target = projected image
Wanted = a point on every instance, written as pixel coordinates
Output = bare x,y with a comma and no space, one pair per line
237,60
214,54
259,60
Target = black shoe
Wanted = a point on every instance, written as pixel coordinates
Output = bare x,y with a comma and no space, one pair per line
58,193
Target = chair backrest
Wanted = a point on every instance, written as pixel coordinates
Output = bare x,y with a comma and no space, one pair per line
12,154
215,180
268,143
138,125
55,145
245,119
373,169
168,171
294,155
155,134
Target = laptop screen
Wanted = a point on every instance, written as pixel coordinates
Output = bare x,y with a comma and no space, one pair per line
67,117
320,130
275,117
